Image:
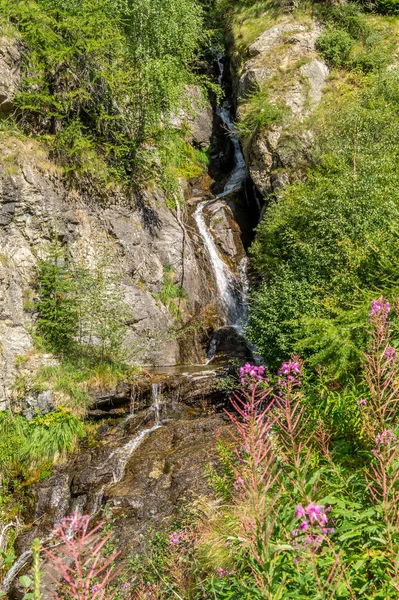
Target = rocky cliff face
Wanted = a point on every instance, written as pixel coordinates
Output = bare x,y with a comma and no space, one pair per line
142,234
283,64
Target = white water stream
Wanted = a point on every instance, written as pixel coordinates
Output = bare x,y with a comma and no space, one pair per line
232,288
121,455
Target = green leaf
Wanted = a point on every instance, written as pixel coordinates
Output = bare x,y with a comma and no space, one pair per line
25,581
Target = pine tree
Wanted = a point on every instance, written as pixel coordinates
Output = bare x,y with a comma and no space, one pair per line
57,320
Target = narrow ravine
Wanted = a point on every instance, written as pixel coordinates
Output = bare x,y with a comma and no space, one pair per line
232,287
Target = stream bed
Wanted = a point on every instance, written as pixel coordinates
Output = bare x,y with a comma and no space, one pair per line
138,470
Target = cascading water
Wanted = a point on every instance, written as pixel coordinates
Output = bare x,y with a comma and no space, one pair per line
156,403
119,459
232,289
121,456
227,283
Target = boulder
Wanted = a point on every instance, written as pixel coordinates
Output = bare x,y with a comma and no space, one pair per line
285,55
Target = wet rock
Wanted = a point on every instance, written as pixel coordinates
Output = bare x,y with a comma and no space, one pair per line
144,472
52,500
226,231
228,344
178,388
168,470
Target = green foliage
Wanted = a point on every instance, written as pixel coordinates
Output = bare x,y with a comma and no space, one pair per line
349,41
26,581
75,377
179,159
276,308
335,46
330,244
101,77
56,307
336,341
258,113
37,443
81,307
171,294
387,7
52,436
13,434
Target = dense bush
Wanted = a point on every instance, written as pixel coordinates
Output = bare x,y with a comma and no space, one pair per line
330,242
38,442
56,307
386,7
335,45
257,113
350,41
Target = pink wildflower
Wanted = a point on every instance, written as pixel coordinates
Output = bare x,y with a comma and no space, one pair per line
175,538
390,353
222,572
300,512
385,438
380,308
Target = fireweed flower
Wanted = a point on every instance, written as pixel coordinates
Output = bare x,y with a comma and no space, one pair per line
290,368
385,439
390,353
71,525
300,512
239,484
175,538
289,374
380,308
312,531
249,374
362,402
222,572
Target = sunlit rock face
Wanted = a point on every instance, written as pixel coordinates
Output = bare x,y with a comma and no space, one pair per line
143,235
283,64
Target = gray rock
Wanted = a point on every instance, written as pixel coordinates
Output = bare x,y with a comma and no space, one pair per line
252,81
316,72
279,155
225,231
9,73
197,114
271,38
38,404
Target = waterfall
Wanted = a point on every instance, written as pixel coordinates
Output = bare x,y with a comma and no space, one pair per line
122,455
231,288
226,282
156,403
239,172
